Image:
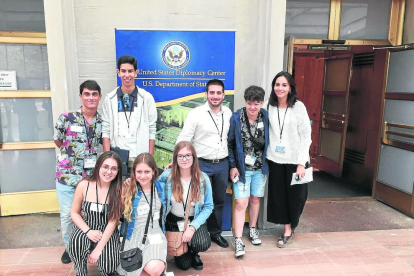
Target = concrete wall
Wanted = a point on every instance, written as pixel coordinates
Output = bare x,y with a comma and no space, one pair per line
88,38
408,32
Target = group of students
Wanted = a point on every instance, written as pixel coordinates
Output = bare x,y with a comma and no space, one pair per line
102,199
259,141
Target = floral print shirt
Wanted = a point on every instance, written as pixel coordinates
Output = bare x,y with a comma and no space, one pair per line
80,140
248,147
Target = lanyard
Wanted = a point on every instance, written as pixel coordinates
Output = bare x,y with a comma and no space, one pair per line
130,109
89,139
222,125
248,124
283,124
150,204
186,201
97,207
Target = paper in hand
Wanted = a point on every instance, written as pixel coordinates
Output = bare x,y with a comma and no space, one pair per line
306,179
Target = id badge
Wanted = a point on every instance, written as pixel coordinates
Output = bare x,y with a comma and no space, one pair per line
129,136
154,238
76,129
96,207
143,209
89,163
260,125
250,160
156,216
180,225
280,148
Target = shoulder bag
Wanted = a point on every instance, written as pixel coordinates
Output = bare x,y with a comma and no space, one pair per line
175,245
131,259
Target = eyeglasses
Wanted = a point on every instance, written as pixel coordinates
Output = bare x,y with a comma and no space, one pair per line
186,157
106,168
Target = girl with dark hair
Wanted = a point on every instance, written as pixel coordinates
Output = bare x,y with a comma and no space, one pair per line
185,184
288,152
140,196
95,238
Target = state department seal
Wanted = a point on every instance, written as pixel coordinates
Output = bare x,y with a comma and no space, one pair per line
175,55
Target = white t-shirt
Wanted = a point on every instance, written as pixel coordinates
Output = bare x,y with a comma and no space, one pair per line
177,208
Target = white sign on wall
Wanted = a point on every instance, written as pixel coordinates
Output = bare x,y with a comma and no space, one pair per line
8,80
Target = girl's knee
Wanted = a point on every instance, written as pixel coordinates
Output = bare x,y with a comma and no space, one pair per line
154,267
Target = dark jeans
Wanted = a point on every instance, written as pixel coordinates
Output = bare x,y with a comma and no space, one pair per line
219,175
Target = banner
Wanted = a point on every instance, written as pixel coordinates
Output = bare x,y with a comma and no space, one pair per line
174,66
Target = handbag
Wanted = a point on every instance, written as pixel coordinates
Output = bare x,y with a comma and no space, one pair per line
175,246
131,259
124,154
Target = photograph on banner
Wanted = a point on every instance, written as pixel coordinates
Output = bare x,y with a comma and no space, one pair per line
175,66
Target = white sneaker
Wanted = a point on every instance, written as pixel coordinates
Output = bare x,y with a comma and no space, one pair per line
254,236
239,247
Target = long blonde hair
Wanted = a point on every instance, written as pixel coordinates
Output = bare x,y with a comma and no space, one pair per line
177,187
130,191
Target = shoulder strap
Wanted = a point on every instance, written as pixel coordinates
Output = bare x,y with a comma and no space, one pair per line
149,215
87,187
187,211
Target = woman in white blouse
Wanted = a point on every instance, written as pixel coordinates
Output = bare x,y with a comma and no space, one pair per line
288,153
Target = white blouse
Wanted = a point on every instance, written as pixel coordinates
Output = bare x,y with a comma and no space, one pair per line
296,135
177,208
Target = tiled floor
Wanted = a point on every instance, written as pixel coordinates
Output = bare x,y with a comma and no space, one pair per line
384,252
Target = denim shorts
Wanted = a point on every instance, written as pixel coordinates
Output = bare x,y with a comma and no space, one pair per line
255,185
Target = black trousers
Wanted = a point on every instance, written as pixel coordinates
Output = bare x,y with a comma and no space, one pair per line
285,202
200,242
219,175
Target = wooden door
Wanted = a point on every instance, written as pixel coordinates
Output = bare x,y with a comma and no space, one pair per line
394,176
335,93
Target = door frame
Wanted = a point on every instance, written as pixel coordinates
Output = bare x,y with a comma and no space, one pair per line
398,199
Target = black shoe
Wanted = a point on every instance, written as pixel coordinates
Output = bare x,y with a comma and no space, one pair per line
220,241
65,258
197,263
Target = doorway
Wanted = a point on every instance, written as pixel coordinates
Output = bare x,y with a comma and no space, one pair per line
336,88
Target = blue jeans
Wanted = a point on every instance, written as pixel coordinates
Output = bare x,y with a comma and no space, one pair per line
65,195
255,184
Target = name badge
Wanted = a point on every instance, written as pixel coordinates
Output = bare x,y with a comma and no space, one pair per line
181,223
129,136
89,163
154,238
96,207
280,148
76,128
143,210
156,216
260,125
250,160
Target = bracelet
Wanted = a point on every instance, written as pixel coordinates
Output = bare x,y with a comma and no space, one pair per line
87,231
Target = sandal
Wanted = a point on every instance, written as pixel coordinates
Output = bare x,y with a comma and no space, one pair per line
284,240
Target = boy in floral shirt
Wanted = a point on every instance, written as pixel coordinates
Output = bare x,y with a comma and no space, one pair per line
77,135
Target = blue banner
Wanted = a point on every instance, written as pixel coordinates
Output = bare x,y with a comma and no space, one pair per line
177,64
174,66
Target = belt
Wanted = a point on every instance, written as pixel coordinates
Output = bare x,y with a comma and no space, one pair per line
214,161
